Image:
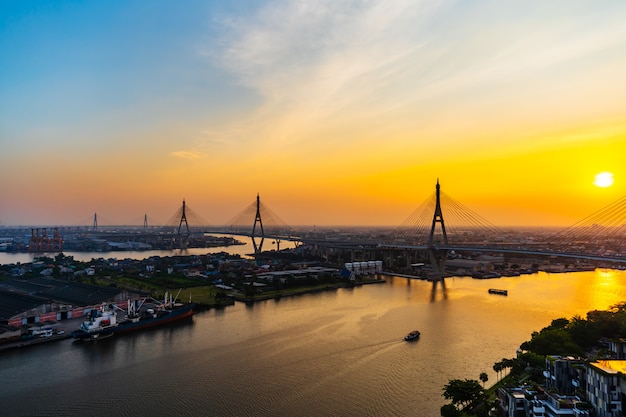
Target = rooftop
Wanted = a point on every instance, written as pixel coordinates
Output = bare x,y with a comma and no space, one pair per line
610,366
13,303
18,295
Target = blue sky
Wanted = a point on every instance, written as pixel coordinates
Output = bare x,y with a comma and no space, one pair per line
95,63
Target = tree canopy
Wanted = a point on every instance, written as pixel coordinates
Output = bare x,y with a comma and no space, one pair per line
578,335
463,391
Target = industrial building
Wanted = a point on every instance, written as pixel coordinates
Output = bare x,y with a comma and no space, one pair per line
38,300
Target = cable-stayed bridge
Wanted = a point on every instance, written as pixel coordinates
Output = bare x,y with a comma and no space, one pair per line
442,226
439,228
265,224
600,236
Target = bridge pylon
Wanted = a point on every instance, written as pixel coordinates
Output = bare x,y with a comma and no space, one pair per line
257,219
183,234
437,257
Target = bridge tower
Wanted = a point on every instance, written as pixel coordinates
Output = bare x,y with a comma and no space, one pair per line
184,236
437,257
95,221
145,221
257,219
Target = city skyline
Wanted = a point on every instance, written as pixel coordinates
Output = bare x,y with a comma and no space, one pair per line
336,113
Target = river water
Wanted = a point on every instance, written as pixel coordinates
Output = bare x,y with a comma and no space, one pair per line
336,353
245,250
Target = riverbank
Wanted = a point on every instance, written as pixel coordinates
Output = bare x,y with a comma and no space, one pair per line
272,295
61,330
64,328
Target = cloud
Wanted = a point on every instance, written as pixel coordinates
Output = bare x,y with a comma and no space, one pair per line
339,66
188,154
313,60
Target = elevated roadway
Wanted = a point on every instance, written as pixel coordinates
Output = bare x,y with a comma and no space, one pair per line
368,245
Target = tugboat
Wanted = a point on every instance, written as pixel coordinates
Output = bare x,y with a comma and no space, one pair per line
104,322
415,334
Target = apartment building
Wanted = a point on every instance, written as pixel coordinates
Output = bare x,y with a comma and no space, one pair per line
606,387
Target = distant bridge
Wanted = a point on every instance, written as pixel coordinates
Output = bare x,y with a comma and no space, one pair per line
600,237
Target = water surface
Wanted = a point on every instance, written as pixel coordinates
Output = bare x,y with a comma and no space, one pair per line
331,353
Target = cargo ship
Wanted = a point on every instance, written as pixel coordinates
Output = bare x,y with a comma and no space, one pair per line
140,314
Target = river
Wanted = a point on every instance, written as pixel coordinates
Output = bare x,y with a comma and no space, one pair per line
245,251
333,353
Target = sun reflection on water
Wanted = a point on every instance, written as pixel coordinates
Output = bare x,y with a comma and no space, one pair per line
606,288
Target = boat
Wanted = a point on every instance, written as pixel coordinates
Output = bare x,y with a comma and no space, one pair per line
140,314
412,336
497,291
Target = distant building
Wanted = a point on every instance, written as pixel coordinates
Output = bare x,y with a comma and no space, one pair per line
43,299
468,266
493,259
296,274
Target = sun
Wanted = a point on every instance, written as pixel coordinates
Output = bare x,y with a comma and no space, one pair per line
603,180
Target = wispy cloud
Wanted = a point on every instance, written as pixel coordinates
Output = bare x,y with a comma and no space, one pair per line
188,154
311,60
322,63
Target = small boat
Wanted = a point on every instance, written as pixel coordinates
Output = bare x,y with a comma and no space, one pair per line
497,291
412,336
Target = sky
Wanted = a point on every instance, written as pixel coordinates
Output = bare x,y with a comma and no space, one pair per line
334,112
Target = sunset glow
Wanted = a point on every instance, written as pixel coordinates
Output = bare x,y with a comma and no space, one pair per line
336,113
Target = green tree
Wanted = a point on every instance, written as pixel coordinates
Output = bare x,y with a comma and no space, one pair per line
584,333
449,410
503,365
498,367
462,392
552,342
603,322
560,323
483,378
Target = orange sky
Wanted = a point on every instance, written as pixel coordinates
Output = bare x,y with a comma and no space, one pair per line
338,114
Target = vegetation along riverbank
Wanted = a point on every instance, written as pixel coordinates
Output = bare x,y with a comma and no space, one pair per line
556,369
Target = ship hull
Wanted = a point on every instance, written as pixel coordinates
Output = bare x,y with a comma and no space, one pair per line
128,326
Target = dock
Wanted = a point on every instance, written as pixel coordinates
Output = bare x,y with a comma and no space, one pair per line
63,330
